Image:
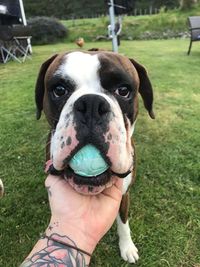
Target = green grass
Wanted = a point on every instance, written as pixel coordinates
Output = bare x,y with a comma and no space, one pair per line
165,209
160,26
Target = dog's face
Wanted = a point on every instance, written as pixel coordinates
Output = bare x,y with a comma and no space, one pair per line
92,98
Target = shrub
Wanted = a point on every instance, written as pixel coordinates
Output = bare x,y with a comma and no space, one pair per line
46,30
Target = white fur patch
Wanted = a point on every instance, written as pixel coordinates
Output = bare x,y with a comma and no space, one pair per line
128,250
126,182
83,69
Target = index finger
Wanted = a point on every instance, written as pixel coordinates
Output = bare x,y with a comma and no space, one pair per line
115,191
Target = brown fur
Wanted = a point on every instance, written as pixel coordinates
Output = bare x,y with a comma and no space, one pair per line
125,202
124,207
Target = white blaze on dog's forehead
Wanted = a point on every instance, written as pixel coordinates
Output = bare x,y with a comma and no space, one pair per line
82,68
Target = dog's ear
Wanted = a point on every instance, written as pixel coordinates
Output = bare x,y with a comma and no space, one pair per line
145,88
39,87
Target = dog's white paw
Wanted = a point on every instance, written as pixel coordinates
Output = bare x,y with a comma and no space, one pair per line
128,250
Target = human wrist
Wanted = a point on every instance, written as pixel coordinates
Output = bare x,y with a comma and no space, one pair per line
78,235
55,250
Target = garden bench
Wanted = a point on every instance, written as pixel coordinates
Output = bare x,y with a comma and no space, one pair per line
194,27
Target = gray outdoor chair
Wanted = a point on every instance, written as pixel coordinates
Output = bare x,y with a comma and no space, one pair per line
22,37
6,45
194,27
14,43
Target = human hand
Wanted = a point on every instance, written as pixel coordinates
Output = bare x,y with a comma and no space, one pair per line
85,218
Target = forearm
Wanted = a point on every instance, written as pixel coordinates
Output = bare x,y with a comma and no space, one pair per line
57,247
49,252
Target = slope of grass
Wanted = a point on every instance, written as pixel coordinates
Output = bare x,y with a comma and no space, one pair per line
165,210
164,25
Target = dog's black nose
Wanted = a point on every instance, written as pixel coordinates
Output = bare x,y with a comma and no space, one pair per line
91,108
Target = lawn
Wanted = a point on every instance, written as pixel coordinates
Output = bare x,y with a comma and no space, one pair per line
165,210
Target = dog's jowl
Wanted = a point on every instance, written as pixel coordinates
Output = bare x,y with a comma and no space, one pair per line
91,98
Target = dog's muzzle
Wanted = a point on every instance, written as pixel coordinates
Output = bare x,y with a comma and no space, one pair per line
94,121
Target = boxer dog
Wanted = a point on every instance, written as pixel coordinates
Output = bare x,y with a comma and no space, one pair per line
91,97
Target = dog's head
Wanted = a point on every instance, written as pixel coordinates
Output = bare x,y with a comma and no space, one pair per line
92,98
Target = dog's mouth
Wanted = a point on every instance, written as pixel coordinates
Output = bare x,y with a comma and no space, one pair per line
86,185
89,185
88,170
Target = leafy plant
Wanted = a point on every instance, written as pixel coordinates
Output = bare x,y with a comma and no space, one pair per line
46,30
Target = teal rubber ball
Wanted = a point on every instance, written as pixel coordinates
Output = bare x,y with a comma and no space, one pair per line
88,162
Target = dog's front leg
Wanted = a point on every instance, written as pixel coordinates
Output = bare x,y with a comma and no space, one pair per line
128,250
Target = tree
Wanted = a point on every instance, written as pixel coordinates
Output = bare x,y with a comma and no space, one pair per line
50,8
166,3
187,4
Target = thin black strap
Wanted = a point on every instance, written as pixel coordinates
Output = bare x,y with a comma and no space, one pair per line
122,175
66,244
53,171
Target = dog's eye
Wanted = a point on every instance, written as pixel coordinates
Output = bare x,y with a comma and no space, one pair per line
123,91
60,91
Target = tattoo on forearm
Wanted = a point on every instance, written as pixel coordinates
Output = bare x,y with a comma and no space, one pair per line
56,254
53,225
